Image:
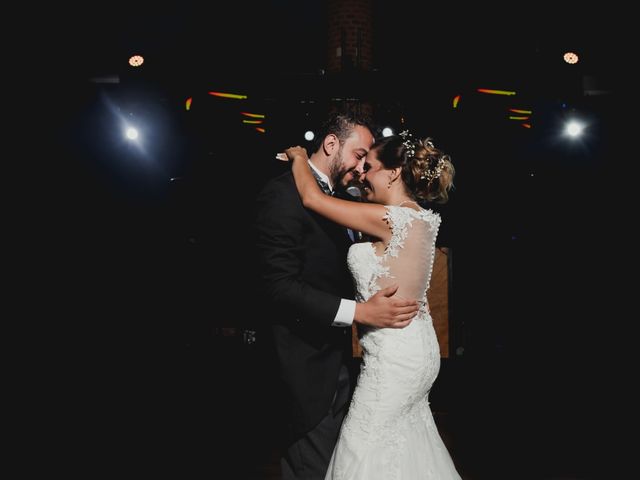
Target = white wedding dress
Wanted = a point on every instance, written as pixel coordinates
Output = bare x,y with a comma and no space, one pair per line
389,432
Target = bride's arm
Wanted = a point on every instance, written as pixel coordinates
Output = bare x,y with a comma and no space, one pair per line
364,217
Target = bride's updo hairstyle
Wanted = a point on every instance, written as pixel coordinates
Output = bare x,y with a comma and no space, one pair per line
426,171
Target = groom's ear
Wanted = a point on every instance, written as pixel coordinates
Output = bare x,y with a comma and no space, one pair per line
330,144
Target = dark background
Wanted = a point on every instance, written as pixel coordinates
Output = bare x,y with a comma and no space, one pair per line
148,251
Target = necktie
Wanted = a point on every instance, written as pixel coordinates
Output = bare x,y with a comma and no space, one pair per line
323,185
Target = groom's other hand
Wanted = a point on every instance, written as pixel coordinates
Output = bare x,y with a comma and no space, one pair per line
383,310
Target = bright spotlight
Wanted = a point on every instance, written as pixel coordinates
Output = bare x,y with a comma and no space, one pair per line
309,135
131,133
574,129
387,131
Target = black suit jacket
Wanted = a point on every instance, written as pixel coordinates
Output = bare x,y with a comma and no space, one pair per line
304,274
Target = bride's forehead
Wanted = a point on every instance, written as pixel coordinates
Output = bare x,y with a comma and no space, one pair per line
372,165
372,157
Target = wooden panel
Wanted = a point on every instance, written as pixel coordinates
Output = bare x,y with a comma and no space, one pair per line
438,298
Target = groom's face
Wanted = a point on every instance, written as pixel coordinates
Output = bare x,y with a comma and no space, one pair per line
347,165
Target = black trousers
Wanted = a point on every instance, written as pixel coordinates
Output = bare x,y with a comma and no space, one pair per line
308,457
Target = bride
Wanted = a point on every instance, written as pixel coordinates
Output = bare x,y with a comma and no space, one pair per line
389,432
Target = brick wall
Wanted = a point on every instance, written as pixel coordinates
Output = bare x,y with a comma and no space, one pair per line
350,35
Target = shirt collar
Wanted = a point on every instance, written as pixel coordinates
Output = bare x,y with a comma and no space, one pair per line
322,176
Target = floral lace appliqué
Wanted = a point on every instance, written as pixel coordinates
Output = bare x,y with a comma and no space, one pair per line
399,219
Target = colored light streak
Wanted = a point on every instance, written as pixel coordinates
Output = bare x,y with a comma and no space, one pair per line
496,92
235,96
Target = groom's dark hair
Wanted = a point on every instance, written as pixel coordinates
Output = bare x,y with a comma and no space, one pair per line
341,125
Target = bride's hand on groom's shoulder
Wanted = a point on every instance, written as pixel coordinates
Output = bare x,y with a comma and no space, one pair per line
293,153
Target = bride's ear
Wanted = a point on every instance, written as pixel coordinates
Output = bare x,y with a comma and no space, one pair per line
329,144
394,174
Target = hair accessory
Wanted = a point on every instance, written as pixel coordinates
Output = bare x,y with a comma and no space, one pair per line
408,143
410,148
430,175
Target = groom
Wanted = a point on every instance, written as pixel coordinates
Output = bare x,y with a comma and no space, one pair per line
309,290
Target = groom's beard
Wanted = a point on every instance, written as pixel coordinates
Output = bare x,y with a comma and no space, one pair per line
346,180
342,178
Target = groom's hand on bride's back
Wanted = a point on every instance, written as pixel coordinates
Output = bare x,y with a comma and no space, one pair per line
384,310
